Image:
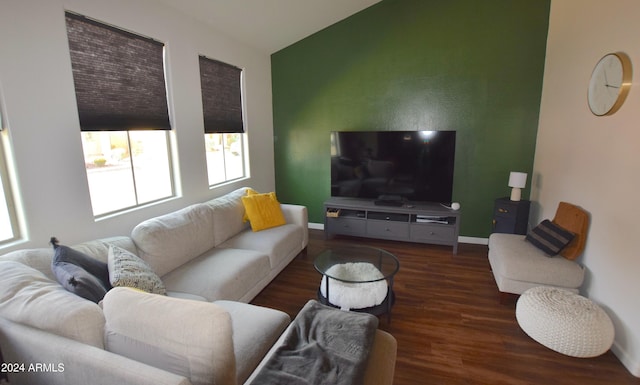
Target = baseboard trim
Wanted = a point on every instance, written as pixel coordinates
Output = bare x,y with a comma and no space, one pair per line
316,226
472,240
632,364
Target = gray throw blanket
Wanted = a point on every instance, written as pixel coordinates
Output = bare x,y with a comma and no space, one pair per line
324,346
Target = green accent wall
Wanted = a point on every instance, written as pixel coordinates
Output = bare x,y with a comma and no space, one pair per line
466,65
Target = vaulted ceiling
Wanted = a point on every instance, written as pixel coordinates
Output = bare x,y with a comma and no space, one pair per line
269,25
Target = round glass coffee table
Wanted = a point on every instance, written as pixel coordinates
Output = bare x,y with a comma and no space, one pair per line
358,278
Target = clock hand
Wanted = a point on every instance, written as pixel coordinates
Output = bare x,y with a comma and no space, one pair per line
610,86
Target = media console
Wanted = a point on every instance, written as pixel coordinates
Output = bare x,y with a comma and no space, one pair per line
412,222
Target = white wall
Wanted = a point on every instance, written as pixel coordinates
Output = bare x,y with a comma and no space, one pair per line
594,161
38,99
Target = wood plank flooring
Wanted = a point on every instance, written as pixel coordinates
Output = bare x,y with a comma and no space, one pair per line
450,326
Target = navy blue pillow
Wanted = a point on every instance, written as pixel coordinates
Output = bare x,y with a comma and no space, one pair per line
549,237
79,273
78,281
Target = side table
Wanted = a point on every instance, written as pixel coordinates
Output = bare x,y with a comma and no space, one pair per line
510,217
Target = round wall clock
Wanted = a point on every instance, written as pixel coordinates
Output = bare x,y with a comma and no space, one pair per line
610,83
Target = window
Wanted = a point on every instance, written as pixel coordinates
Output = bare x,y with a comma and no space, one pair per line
126,168
224,135
6,227
225,157
8,219
124,120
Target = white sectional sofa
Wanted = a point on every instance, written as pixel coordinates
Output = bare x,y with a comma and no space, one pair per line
202,332
206,251
203,252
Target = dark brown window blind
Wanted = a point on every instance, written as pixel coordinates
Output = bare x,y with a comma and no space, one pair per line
118,77
221,96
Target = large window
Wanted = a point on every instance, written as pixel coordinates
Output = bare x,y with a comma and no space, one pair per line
225,157
122,105
224,135
9,230
126,168
8,221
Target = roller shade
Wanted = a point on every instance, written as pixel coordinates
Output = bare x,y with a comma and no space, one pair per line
221,97
118,76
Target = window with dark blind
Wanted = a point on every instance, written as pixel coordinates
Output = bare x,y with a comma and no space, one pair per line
118,76
124,121
224,136
221,96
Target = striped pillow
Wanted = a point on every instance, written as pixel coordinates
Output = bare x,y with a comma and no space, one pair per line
549,237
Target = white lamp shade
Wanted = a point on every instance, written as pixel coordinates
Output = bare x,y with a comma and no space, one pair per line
518,179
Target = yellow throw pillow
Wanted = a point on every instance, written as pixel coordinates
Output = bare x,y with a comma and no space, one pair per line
250,191
263,211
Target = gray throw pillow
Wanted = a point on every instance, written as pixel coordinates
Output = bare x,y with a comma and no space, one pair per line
129,270
78,281
549,237
79,273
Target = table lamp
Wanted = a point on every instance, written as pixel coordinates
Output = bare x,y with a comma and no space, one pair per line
517,180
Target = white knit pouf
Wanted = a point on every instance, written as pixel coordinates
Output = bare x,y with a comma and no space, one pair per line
565,322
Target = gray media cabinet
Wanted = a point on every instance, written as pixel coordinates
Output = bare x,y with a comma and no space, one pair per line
412,222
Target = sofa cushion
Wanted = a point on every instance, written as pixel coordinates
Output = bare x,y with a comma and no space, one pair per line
280,243
227,215
263,211
127,269
99,248
38,259
171,240
189,338
255,330
235,272
516,259
183,295
29,297
549,237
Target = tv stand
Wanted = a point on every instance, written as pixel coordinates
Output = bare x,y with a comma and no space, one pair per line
389,202
422,222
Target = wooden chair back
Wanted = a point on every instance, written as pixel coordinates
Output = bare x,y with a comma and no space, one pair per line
576,220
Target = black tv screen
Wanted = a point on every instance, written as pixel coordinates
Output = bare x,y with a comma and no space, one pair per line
414,166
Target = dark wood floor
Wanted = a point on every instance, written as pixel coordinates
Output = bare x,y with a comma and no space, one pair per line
450,326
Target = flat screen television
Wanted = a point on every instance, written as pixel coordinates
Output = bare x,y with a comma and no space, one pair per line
393,166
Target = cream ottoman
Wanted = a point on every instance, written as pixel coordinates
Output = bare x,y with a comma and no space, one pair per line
564,321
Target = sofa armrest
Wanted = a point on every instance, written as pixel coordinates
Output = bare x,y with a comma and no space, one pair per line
50,359
382,360
297,215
